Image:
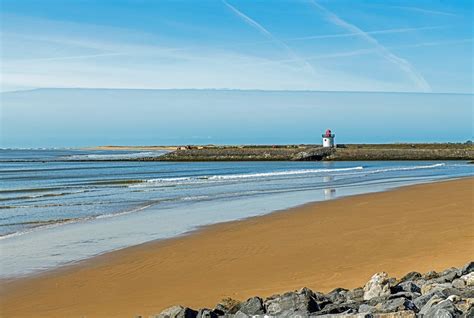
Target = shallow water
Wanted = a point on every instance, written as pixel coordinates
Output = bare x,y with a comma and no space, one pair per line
56,208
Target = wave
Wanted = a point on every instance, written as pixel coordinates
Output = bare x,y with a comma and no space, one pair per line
248,175
436,165
132,155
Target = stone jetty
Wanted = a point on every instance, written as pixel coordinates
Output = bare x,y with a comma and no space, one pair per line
449,293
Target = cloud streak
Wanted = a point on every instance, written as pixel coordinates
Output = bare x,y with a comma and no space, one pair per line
248,20
424,11
401,63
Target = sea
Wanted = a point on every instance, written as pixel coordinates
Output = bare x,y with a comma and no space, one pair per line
62,206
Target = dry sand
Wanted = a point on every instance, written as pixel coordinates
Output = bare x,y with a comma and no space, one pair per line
324,245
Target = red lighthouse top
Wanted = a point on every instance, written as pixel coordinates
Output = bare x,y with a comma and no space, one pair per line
328,133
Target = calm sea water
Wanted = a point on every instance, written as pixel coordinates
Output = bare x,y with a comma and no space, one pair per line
56,209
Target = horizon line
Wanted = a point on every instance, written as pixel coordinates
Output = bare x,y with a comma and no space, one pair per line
233,90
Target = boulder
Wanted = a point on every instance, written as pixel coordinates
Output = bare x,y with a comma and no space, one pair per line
468,279
338,295
423,299
468,268
346,308
406,286
378,285
396,304
458,283
410,277
427,288
443,309
429,275
207,313
177,312
301,302
253,306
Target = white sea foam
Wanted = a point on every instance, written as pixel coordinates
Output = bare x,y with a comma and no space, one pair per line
132,155
181,180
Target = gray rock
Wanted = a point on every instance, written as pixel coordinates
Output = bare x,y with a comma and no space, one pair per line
407,295
365,308
356,295
469,313
429,275
301,302
407,286
410,276
397,304
378,285
177,312
207,313
346,308
443,309
458,283
468,268
253,306
338,295
423,299
447,276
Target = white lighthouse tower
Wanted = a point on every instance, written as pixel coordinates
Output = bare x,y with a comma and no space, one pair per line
328,139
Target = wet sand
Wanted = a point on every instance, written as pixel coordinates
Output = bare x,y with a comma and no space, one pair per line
325,245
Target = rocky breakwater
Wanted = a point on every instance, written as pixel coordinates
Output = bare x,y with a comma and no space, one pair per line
446,294
248,153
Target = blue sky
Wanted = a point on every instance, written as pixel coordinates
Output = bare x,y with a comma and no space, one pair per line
420,52
337,45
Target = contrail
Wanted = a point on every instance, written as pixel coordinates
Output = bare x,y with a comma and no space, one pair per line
424,10
386,31
267,34
67,57
403,64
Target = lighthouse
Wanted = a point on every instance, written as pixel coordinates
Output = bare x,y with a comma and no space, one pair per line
328,139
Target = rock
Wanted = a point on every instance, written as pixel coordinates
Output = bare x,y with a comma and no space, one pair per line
225,305
407,295
399,314
397,304
346,308
469,313
443,309
447,276
422,300
378,285
253,306
464,304
410,276
459,283
177,312
338,295
365,308
468,268
207,313
432,302
301,302
356,295
407,286
425,289
429,275
468,279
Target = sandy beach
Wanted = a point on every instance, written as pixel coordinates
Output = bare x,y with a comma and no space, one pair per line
324,245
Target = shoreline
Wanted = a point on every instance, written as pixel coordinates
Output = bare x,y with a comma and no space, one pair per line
119,263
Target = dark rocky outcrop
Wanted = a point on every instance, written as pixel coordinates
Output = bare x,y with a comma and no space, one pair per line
446,294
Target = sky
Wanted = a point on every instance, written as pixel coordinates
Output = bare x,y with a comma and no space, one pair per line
423,47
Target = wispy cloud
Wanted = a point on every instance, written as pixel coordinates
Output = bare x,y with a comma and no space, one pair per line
267,34
424,11
402,64
369,51
352,34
